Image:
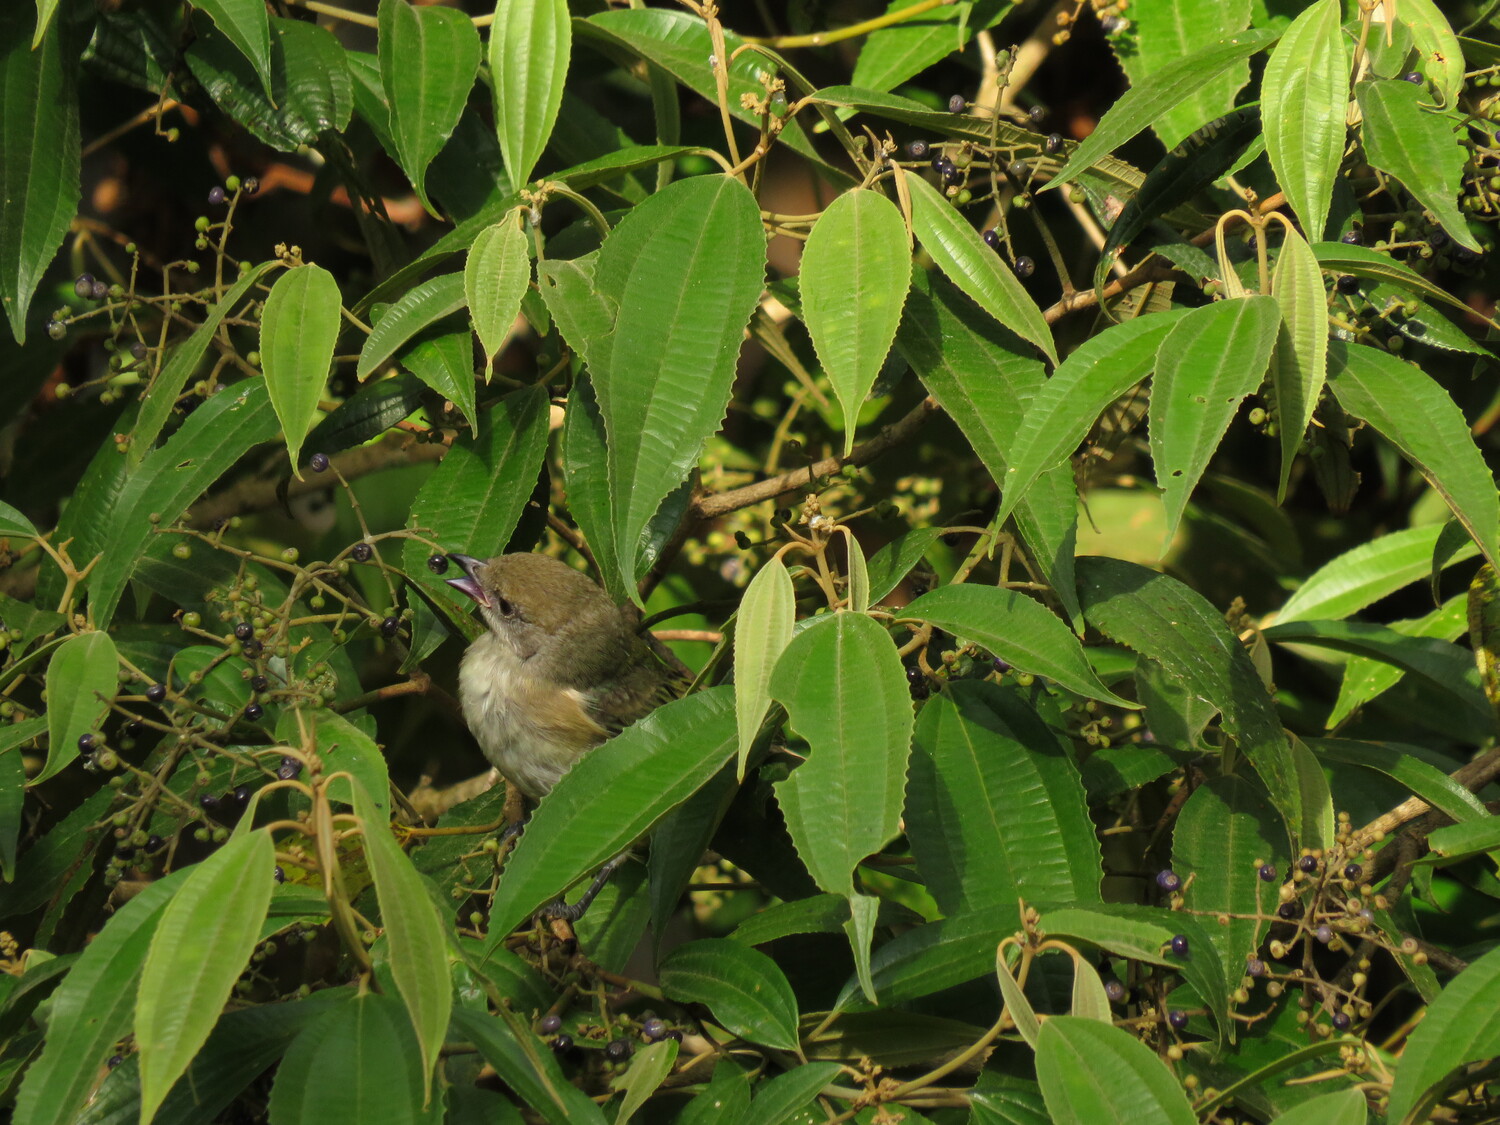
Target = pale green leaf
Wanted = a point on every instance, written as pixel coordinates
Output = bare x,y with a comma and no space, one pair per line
762,630
298,330
1299,365
496,275
648,1069
421,306
1364,574
1304,97
530,45
1461,1026
1101,1074
1168,30
1441,54
81,683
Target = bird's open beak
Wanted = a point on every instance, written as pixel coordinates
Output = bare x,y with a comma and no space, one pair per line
469,584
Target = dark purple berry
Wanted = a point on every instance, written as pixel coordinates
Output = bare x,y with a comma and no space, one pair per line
1347,283
1438,238
1024,267
618,1050
1115,991
653,1029
114,1061
957,104
438,564
1177,1018
154,843
1324,933
1037,114
1053,144
1289,911
156,692
1255,967
1267,873
1168,880
937,159
83,285
992,240
278,874
254,712
917,150
390,626
318,462
208,802
138,351
550,1024
87,742
251,649
672,1033
1340,1021
1354,872
251,185
133,729
1000,665
562,1044
1179,945
216,196
1414,77
1352,238
244,630
289,768
259,683
242,794
950,172
363,552
1307,864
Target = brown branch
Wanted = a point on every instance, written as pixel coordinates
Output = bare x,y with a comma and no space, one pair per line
1473,776
717,504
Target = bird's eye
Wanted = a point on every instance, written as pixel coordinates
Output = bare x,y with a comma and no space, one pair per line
506,607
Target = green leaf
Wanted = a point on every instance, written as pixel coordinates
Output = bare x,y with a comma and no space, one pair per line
1342,1107
1304,96
200,947
372,411
1366,678
161,397
526,1065
1416,146
474,500
1364,574
1441,54
442,356
724,1101
762,630
1169,30
846,694
585,461
611,797
1361,261
1159,617
81,683
39,156
357,1061
416,935
1403,766
15,524
496,275
1418,417
428,59
647,1070
1211,360
1145,102
1461,1026
976,269
298,330
312,90
855,271
1017,628
818,914
1225,830
246,25
891,55
13,792
1094,1072
342,747
995,809
686,269
778,1100
92,1009
1299,366
530,44
212,439
1069,403
929,958
898,558
743,988
421,306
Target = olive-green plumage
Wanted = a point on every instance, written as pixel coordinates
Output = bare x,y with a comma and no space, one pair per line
559,670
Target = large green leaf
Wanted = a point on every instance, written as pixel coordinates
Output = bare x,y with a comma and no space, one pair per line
212,439
1461,1026
1304,96
525,1064
246,24
1417,146
530,44
744,989
1166,31
1159,617
201,945
442,356
1402,765
891,55
1299,366
39,156
1090,1071
1364,574
1418,417
81,683
976,269
298,329
416,935
1441,56
1143,104
419,307
855,272
612,796
683,272
1361,261
1017,628
428,58
1365,678
1211,360
496,275
995,809
1224,832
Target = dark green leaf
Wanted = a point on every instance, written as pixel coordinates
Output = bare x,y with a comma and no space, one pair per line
245,24
1462,1025
1091,1071
442,356
742,987
81,683
420,307
527,1066
372,411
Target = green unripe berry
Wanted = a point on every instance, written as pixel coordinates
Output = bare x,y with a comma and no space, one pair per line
192,620
232,184
182,551
173,135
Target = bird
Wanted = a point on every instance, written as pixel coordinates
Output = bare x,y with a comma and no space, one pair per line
559,669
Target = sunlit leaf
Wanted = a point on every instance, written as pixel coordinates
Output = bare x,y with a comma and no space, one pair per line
1303,98
298,329
530,44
